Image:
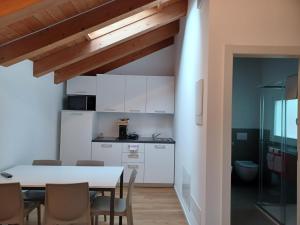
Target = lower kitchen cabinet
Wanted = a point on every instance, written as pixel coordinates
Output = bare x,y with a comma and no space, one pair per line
153,162
159,163
110,153
128,167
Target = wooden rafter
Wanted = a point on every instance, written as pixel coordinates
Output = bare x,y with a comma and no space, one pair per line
70,29
117,52
132,57
122,23
78,52
132,19
12,11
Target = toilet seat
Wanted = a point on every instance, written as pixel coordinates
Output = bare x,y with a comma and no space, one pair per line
247,164
246,170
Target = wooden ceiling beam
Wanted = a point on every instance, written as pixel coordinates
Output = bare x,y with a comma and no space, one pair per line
70,29
132,57
83,50
12,11
122,23
117,52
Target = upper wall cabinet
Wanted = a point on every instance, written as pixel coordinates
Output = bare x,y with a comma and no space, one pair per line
82,85
135,94
110,93
160,94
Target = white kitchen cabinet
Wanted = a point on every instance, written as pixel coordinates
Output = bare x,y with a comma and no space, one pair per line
76,136
133,157
110,153
82,85
136,94
134,147
159,163
160,94
110,93
128,167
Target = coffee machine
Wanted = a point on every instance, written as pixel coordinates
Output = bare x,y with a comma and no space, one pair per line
123,123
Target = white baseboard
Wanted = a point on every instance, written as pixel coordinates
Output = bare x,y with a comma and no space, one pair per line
187,213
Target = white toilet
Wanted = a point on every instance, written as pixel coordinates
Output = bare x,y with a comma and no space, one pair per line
246,170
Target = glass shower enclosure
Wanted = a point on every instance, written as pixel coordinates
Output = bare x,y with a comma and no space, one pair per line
278,155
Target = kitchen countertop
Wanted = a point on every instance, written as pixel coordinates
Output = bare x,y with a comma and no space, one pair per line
140,140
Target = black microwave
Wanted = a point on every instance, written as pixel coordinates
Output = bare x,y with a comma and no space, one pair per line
81,102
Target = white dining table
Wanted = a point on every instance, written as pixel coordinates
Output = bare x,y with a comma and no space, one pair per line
99,179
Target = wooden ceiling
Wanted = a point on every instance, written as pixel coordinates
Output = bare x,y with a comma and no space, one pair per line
75,37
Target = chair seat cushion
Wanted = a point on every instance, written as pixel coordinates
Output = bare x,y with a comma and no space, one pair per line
39,195
34,195
101,206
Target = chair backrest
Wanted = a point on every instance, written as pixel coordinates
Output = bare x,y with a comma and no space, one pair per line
47,162
89,163
12,204
130,188
67,204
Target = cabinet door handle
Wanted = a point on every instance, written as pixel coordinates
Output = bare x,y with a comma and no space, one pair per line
133,156
80,92
160,146
109,110
160,111
132,166
133,151
106,145
76,114
134,110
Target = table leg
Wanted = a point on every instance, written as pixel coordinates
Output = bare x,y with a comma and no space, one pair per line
112,206
121,193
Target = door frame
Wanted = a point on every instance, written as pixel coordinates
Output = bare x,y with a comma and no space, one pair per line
232,51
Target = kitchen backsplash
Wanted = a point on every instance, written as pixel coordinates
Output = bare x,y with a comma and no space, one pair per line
143,124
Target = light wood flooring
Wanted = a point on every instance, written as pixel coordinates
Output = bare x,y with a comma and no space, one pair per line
152,206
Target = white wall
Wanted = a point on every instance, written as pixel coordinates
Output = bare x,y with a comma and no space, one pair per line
156,64
29,115
277,70
237,22
191,65
143,124
246,94
248,75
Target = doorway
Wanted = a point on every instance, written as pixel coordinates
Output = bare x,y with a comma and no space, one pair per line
230,53
264,141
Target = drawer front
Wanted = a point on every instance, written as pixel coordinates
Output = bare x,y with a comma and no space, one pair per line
110,153
134,147
128,167
133,157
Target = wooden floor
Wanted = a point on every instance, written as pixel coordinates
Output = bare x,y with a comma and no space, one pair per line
152,206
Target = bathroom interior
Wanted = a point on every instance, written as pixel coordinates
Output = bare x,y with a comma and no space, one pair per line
264,141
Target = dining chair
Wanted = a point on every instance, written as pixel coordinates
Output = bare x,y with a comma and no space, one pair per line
13,209
39,195
123,207
47,162
93,194
67,204
89,163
